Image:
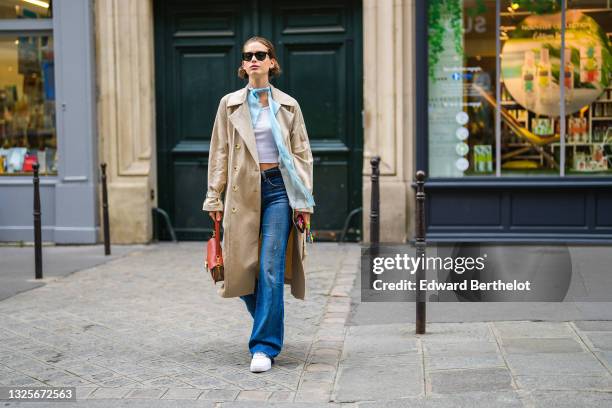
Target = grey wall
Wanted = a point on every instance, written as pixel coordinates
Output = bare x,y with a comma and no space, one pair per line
68,201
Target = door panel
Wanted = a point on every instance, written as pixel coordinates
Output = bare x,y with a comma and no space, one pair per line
316,48
322,103
197,56
197,52
195,66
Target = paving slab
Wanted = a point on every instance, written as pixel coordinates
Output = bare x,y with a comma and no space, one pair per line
448,333
379,340
182,393
358,383
601,341
464,347
463,361
368,360
462,381
606,358
537,345
556,364
569,399
565,382
497,399
594,325
147,393
220,395
526,329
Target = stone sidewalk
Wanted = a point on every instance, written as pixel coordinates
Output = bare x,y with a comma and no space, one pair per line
149,330
17,270
150,325
495,364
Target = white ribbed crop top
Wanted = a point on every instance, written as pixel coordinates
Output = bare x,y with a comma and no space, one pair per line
266,147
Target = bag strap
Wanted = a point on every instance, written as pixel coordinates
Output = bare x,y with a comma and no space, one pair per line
218,235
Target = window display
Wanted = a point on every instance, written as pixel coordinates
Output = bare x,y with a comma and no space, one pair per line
554,106
589,145
27,106
461,80
25,9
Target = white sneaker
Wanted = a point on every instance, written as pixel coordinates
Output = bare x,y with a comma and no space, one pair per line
260,362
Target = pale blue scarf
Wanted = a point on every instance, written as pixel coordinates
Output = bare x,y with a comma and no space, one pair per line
297,186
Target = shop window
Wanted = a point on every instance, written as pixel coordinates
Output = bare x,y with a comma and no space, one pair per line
10,9
462,91
550,114
530,37
27,105
588,140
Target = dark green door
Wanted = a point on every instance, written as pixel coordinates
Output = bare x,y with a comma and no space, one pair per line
197,57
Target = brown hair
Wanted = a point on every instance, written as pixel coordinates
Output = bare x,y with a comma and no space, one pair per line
275,70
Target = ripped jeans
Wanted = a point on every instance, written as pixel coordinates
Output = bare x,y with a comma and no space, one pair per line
266,305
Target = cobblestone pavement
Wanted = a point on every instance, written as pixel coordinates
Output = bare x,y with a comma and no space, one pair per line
149,330
151,326
17,263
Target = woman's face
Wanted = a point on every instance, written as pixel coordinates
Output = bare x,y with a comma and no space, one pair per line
254,67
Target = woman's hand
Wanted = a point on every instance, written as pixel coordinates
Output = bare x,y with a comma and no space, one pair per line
306,216
216,215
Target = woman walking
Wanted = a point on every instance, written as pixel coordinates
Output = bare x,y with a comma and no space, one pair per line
260,158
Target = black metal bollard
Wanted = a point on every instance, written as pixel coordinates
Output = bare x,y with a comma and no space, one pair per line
419,236
107,247
38,273
374,213
375,201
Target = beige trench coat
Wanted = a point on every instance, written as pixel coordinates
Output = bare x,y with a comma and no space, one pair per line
233,169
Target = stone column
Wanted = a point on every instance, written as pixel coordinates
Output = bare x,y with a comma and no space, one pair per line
389,103
126,114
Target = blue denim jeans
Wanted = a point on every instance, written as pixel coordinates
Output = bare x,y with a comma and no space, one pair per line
266,305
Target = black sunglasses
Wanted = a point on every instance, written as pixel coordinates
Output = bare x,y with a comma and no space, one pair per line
260,55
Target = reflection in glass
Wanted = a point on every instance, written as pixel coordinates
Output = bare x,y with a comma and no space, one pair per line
589,129
27,105
10,9
530,35
549,95
462,72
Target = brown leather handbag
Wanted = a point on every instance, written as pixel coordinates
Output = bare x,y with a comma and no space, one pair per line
214,257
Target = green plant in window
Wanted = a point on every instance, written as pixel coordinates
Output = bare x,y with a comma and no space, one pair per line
443,13
479,8
436,35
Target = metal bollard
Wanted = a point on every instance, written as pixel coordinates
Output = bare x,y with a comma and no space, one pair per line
374,213
419,235
38,273
107,247
375,201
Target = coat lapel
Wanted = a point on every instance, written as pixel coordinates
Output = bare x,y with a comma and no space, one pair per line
241,117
